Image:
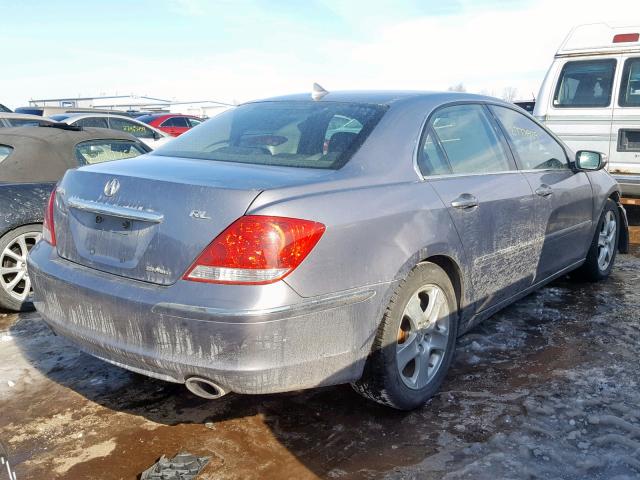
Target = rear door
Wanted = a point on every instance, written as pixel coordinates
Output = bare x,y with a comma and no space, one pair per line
624,156
464,156
563,198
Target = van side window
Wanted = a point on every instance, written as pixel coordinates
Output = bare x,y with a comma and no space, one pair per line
630,85
584,84
470,140
534,147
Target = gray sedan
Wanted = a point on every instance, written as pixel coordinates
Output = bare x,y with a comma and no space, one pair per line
272,250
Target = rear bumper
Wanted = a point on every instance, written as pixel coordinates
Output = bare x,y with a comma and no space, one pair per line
629,184
281,342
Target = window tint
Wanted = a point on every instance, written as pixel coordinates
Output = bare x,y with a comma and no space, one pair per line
431,160
630,85
194,122
280,133
534,147
175,122
585,84
25,122
98,122
98,151
469,140
5,151
132,128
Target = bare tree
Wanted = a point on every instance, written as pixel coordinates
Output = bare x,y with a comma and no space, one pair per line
509,94
457,88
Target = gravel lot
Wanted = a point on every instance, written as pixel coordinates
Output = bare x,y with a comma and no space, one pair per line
548,388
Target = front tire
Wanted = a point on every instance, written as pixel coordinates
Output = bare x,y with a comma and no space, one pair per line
415,342
15,285
604,246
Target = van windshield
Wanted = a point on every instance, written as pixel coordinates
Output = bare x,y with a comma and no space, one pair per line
284,133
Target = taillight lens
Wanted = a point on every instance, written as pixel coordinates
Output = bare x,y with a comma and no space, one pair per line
256,249
48,230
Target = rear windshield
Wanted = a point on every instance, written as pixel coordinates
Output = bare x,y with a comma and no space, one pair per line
294,134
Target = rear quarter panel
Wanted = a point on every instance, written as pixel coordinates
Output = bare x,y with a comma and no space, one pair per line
22,204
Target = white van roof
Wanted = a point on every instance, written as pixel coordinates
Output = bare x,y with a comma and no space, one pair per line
600,38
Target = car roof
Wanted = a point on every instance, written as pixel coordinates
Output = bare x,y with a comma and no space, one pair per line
44,153
383,97
23,116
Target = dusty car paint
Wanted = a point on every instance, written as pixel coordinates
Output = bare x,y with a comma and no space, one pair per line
316,326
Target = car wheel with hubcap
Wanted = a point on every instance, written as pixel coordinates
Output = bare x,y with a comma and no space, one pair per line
604,246
15,285
415,342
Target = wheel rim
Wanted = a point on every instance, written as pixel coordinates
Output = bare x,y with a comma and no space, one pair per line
423,336
607,240
14,277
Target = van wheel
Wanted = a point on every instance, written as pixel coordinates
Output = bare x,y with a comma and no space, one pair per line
15,285
602,253
415,342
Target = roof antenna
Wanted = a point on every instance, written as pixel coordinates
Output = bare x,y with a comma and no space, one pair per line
318,92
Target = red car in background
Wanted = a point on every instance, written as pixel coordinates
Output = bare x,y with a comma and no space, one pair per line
172,123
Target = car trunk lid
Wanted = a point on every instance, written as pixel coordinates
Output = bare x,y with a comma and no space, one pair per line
148,220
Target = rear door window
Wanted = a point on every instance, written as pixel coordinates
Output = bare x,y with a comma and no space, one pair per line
132,128
469,140
176,122
97,122
584,84
534,147
5,151
99,151
630,85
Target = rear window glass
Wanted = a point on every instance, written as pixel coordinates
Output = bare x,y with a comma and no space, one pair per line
585,84
5,151
630,86
25,122
99,151
294,134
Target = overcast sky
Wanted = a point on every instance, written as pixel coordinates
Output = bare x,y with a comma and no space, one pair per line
236,50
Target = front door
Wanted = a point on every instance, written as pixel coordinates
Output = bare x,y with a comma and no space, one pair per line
624,156
563,198
465,158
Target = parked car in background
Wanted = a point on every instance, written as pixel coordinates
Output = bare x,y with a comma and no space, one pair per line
171,123
22,120
242,257
151,136
526,106
31,162
591,97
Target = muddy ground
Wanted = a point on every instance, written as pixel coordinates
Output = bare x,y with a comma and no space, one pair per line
548,388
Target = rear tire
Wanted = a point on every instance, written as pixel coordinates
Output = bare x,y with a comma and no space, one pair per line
415,343
15,285
604,246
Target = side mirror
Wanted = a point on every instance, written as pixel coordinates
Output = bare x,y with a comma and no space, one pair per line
590,161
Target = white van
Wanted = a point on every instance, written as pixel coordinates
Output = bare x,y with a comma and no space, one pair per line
591,97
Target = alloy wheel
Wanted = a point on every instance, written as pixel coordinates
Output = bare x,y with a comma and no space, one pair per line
423,336
607,240
14,278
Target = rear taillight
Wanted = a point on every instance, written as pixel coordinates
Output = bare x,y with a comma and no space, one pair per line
256,249
48,230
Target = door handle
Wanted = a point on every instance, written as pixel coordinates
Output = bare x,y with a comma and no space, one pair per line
544,190
466,201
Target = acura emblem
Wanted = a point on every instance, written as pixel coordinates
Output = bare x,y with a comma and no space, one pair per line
111,187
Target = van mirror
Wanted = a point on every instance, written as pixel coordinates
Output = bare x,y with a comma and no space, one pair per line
588,160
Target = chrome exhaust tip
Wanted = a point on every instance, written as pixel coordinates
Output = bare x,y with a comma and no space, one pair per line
205,388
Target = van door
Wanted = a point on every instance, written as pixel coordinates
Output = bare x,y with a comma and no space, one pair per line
581,106
624,156
563,198
464,157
